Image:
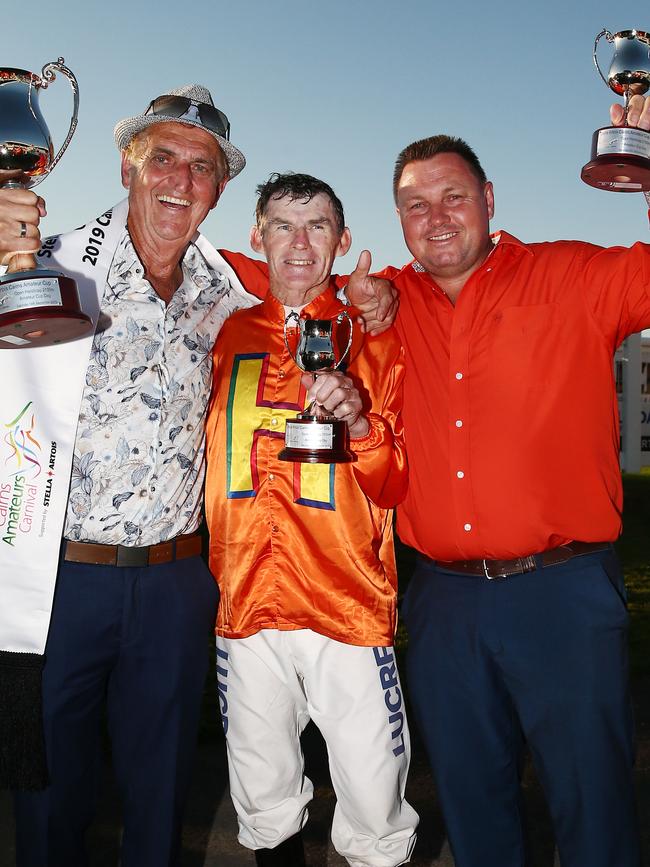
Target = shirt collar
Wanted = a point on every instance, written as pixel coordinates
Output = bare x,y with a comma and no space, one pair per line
502,240
197,275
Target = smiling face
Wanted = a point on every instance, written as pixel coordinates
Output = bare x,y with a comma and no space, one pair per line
445,212
175,174
300,240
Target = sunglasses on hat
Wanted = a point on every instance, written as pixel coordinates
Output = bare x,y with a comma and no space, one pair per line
179,106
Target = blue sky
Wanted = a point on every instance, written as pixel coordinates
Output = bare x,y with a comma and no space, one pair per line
336,89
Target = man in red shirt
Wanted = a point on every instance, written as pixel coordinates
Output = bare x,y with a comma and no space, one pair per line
516,612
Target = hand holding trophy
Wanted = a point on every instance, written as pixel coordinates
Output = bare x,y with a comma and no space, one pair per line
38,307
315,436
620,155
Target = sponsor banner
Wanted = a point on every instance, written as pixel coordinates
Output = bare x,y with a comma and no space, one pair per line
39,407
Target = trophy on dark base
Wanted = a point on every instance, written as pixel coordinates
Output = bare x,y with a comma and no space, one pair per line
315,436
620,155
38,307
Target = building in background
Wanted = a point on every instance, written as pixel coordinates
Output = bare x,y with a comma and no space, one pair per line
632,372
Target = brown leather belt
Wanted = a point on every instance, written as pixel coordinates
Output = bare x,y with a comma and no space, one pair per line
126,555
503,568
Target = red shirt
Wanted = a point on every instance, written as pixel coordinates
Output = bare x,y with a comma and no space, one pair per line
510,407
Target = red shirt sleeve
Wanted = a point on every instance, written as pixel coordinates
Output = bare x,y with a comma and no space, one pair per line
253,273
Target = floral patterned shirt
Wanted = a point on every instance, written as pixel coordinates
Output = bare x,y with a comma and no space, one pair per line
139,455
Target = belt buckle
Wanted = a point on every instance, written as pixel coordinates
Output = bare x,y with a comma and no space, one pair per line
487,574
130,556
527,564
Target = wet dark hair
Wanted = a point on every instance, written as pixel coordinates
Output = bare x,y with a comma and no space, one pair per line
300,188
426,148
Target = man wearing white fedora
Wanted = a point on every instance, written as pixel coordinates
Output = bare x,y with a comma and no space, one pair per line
133,603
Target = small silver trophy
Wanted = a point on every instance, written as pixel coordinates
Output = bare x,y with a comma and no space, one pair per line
315,436
620,155
38,307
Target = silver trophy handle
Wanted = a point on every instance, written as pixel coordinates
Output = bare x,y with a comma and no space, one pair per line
609,38
345,315
47,78
291,316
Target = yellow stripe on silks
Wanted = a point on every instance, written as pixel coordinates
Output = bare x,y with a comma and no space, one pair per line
247,420
244,418
316,483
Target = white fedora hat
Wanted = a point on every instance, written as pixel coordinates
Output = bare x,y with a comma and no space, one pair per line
192,105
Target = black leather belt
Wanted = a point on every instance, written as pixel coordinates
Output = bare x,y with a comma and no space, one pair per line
503,568
96,554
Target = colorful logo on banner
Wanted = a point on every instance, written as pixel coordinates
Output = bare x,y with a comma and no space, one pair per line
26,479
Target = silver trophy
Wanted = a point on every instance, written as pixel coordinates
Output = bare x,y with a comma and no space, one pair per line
38,307
315,436
620,155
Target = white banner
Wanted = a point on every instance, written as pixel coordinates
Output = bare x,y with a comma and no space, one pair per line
40,394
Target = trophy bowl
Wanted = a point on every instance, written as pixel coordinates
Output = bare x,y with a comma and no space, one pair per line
315,436
620,155
37,307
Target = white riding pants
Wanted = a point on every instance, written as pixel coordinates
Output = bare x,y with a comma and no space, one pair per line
270,685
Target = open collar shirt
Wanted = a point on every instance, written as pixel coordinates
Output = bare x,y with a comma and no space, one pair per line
510,405
139,457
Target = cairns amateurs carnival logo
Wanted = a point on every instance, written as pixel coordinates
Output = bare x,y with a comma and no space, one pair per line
23,486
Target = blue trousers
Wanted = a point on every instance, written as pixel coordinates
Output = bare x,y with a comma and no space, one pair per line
543,655
137,640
